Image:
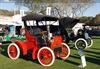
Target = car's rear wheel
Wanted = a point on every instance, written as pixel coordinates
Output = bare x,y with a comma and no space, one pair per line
13,51
62,51
90,42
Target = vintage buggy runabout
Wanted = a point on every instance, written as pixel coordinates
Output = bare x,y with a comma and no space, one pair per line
78,32
43,39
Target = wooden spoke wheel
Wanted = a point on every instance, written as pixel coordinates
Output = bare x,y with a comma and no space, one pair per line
62,51
46,56
13,51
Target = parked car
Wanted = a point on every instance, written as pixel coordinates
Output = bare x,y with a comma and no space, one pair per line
94,32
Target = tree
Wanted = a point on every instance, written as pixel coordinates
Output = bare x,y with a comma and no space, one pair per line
71,8
85,19
6,12
97,18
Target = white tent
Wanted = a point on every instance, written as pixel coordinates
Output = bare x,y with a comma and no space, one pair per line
17,20
6,20
13,22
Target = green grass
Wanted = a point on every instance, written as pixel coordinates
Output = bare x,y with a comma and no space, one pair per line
92,57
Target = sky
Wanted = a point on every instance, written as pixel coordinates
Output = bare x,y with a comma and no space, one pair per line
11,6
92,11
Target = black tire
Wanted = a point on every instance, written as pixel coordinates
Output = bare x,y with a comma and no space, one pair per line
81,44
90,42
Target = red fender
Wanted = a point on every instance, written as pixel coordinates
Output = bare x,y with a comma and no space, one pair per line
57,40
22,45
34,52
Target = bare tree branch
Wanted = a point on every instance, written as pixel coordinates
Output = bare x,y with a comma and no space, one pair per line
71,8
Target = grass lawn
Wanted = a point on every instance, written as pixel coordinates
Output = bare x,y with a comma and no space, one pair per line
92,57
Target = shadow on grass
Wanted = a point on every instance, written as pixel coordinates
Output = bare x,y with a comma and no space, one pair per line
95,48
93,60
92,52
71,46
27,57
4,50
95,56
95,37
75,56
72,62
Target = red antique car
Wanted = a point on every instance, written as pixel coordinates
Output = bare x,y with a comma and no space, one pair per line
43,39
